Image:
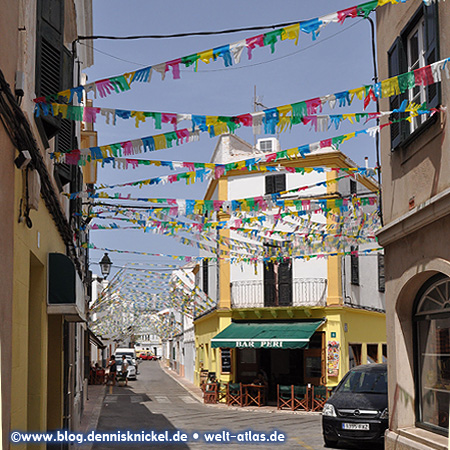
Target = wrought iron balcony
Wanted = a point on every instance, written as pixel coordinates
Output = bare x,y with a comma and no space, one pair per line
258,294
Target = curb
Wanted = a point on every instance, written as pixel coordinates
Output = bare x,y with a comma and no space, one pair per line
235,408
175,378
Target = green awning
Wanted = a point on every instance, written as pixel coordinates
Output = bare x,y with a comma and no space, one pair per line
266,335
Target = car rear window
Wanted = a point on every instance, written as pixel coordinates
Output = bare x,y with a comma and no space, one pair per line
365,383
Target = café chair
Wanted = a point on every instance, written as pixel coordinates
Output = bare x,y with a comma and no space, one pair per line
284,396
234,394
319,395
100,376
203,379
221,392
210,393
300,398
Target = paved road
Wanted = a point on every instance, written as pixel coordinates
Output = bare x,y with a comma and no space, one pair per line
157,402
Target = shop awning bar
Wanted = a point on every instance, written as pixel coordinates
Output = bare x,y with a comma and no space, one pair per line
283,335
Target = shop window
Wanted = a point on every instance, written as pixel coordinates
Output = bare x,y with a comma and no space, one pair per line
417,46
354,355
372,353
432,354
354,265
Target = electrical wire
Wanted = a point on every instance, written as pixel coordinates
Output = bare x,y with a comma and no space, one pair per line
193,33
237,67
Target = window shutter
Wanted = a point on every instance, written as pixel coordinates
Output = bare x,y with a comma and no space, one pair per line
285,284
205,277
49,59
354,263
397,65
280,182
432,50
275,183
269,284
381,285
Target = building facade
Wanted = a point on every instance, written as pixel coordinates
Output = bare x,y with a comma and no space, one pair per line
324,314
416,211
43,305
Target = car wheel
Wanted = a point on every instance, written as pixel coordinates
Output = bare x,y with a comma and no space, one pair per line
330,443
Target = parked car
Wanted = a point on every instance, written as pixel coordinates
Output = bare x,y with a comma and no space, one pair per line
132,369
358,408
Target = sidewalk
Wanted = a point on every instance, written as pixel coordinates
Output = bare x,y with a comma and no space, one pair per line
92,410
197,393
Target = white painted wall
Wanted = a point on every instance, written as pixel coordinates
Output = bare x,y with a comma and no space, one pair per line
230,148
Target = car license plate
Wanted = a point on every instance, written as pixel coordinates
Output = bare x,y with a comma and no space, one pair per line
356,426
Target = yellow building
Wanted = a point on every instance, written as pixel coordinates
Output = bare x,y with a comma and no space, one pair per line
323,316
43,297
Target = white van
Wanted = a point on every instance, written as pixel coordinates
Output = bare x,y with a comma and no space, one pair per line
131,352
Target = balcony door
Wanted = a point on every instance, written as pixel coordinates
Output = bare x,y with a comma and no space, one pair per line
278,283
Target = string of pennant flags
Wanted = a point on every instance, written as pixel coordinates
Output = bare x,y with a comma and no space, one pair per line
133,295
114,153
229,53
264,225
217,124
354,171
359,252
324,183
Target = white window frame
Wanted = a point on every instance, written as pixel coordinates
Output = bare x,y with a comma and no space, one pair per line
421,97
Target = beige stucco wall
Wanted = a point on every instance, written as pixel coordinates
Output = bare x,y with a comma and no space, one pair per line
409,262
415,236
8,56
423,169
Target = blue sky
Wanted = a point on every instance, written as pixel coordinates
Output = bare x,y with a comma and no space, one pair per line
340,59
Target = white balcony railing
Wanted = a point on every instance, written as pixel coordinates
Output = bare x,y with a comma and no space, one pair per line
305,292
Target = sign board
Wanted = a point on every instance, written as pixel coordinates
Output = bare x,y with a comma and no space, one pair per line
226,360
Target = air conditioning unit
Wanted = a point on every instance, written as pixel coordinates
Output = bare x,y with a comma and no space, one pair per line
268,145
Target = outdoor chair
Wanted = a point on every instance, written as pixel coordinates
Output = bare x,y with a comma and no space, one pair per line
100,375
234,394
221,392
319,395
210,393
284,396
300,398
203,379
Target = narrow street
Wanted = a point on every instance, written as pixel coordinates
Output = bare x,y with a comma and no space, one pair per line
155,401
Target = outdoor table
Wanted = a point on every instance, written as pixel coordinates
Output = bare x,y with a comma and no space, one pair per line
254,394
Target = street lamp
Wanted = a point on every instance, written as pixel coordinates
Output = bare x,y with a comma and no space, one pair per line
105,265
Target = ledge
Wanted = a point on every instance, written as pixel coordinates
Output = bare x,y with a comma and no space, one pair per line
428,212
415,438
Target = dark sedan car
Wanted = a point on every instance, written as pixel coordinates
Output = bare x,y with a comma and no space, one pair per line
358,408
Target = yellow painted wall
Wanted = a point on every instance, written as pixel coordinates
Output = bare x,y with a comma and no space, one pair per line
363,327
208,358
31,347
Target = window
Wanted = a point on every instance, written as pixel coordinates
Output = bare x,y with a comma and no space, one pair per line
278,283
417,46
354,265
416,59
432,355
354,355
266,145
275,183
353,187
372,353
205,275
381,287
384,353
